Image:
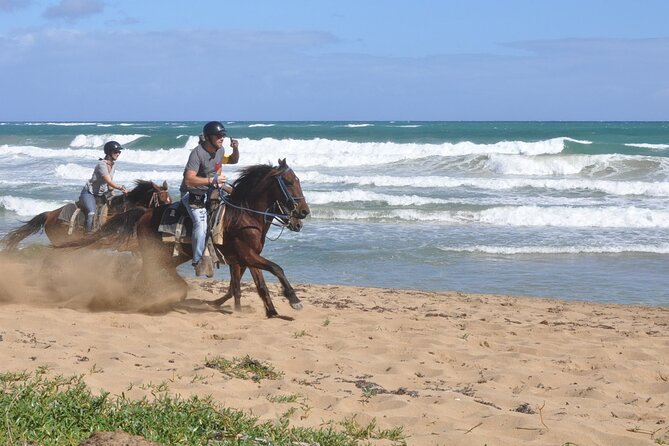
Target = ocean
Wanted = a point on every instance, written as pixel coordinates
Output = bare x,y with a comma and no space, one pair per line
568,210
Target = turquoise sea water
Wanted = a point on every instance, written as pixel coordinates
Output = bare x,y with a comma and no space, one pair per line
571,210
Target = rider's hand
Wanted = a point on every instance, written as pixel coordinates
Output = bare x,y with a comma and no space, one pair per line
123,189
218,179
234,143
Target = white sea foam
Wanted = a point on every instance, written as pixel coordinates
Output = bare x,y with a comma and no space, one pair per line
38,152
563,216
357,126
354,196
313,153
164,157
558,216
656,189
63,124
100,140
365,196
579,141
331,153
545,165
384,215
261,125
511,250
28,207
83,173
649,146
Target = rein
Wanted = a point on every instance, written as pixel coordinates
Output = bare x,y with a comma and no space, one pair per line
154,202
271,216
265,213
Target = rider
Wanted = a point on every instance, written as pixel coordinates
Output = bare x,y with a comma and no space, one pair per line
101,183
202,172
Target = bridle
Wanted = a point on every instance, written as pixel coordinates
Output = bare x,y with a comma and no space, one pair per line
284,214
290,199
155,200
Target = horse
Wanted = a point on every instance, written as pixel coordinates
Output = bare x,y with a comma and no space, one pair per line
261,194
145,194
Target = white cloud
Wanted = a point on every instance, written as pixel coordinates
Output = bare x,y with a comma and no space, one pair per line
13,5
74,9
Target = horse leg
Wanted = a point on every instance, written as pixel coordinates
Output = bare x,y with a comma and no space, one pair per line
234,288
237,289
253,260
263,292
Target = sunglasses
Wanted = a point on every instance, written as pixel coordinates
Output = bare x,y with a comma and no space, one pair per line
116,151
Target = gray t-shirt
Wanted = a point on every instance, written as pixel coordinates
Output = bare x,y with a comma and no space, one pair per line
204,164
97,185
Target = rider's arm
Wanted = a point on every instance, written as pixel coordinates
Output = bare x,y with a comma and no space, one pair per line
233,158
192,180
113,185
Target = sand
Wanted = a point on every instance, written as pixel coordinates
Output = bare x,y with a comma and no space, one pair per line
450,368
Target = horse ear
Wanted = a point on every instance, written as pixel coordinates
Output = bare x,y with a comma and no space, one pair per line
164,184
282,162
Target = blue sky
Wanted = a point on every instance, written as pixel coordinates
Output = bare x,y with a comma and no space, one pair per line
334,60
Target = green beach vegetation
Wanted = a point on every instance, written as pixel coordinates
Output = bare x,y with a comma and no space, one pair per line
45,410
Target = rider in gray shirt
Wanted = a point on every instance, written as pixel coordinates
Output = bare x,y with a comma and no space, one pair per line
202,171
101,183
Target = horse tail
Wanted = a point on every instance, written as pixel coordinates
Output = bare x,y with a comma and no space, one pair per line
115,232
36,224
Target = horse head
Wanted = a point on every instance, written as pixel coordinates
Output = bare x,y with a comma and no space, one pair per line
162,194
148,194
291,201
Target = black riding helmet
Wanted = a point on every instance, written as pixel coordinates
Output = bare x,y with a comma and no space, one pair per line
111,147
213,128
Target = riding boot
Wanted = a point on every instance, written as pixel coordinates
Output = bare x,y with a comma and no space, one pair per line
205,267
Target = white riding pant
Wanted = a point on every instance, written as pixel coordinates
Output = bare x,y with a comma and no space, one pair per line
199,236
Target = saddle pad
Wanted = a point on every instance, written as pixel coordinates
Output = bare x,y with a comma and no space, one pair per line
171,217
75,217
67,212
176,222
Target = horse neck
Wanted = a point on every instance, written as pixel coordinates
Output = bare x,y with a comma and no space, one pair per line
143,199
261,204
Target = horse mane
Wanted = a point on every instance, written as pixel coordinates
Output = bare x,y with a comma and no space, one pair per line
136,194
249,179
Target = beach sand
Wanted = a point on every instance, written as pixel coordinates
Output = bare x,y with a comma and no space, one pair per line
450,368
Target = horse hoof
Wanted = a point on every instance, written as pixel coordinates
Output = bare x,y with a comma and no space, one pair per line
297,306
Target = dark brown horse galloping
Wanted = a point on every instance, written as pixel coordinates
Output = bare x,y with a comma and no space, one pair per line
261,194
144,194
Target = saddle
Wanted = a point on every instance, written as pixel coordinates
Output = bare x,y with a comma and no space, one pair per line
177,227
75,219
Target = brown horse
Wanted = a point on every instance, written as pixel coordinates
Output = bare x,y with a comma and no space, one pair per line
144,194
261,194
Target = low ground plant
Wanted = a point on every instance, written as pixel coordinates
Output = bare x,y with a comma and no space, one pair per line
57,411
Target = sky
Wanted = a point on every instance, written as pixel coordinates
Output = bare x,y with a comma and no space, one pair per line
362,60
